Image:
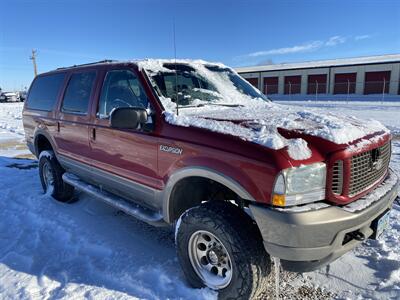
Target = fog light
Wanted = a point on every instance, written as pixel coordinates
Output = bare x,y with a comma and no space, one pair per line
278,200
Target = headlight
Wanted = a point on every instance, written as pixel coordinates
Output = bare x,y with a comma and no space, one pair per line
304,184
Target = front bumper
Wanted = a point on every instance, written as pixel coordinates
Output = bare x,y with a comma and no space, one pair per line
307,240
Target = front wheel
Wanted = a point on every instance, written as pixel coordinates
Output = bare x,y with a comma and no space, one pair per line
219,247
50,172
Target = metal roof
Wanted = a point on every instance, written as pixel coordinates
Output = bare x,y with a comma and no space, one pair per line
390,58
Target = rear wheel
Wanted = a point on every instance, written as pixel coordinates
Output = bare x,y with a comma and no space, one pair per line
50,172
220,247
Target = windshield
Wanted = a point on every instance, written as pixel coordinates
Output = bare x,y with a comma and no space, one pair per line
198,84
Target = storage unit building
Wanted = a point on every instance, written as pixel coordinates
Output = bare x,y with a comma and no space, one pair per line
351,77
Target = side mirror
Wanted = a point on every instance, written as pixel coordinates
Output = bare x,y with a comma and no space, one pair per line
128,117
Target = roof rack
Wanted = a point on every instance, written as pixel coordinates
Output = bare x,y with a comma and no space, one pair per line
88,64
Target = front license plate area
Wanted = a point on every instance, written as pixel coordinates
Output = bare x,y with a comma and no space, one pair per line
379,225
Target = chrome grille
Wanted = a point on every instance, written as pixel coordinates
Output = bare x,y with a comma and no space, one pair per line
367,168
337,177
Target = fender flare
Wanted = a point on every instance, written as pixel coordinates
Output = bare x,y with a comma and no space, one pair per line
47,136
199,172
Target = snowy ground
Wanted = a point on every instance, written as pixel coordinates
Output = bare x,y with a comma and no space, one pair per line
387,112
50,250
11,131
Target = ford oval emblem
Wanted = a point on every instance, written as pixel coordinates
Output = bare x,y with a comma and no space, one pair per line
378,164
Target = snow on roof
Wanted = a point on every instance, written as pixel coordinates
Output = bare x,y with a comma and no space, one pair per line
157,65
390,58
150,64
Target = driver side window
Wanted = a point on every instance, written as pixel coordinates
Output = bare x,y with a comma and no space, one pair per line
121,88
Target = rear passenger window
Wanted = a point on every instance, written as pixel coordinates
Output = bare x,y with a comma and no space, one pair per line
44,91
77,94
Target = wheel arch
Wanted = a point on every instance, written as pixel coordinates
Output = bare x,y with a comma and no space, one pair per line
43,141
170,200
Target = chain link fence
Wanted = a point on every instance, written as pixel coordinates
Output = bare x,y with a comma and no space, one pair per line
342,91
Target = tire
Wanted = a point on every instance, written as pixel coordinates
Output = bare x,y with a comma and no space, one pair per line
241,242
50,172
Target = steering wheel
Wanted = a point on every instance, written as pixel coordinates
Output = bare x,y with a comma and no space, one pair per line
117,103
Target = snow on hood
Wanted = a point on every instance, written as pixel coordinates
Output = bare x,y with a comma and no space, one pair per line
265,135
260,119
331,127
263,120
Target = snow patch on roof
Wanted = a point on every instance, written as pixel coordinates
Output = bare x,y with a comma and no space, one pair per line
157,65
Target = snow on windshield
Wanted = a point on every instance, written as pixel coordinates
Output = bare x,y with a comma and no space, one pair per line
260,118
221,84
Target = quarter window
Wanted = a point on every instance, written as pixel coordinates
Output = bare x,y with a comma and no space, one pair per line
44,92
121,89
77,94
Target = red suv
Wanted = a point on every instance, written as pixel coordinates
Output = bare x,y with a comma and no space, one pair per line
191,144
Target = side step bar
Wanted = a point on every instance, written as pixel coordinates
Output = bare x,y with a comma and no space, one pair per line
130,208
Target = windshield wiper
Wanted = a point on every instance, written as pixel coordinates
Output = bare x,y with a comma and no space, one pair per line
212,104
223,104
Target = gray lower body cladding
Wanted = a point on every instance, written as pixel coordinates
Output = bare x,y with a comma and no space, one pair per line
308,240
112,183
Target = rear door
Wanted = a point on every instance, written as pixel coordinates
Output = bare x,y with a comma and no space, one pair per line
73,117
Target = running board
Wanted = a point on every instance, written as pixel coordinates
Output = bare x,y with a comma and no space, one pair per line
128,207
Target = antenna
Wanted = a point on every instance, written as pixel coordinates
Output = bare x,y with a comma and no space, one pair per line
176,74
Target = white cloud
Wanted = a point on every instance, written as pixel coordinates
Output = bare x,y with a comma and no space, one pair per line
362,37
310,46
295,49
335,40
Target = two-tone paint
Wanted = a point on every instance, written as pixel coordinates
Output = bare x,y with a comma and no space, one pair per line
137,156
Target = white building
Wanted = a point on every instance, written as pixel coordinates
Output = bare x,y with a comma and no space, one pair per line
344,78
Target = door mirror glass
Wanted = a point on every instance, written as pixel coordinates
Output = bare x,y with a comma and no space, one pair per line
128,117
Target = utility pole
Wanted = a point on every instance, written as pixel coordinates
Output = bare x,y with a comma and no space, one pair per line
33,58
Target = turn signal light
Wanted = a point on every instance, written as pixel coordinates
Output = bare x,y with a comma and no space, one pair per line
278,200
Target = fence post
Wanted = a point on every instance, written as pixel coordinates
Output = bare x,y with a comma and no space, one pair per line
348,91
383,90
316,90
266,89
290,90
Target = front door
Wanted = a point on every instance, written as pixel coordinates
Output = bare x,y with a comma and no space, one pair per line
127,157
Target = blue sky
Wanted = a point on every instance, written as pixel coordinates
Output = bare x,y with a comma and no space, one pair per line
237,33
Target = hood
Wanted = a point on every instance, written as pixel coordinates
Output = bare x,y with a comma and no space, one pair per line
9,94
278,126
